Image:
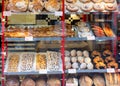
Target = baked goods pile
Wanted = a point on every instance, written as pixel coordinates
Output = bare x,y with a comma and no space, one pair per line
78,60
13,62
35,6
43,31
90,5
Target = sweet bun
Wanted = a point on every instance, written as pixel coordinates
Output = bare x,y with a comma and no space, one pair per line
68,65
73,53
83,66
85,53
98,7
87,7
112,65
97,60
75,65
84,1
109,59
110,6
79,53
80,59
67,59
107,53
72,7
100,65
95,53
109,1
97,1
90,66
74,59
87,60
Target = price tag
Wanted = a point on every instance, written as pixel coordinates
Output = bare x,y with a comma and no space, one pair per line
91,38
69,84
7,13
29,38
3,53
72,71
58,13
42,71
110,70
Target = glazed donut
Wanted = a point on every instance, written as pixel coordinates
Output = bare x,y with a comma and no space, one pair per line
84,1
71,1
107,53
87,7
109,1
97,1
98,7
110,6
97,60
100,65
95,53
112,65
109,59
72,7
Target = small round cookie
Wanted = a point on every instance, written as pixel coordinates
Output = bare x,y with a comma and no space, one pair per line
87,7
97,1
84,1
109,1
72,7
98,7
110,6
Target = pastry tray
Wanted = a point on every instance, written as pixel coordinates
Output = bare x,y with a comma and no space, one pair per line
78,3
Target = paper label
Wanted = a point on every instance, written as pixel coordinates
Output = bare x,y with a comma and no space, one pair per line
110,70
72,71
91,38
58,13
7,13
42,71
69,84
29,38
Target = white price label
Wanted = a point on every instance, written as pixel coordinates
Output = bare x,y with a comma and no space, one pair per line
91,38
58,13
42,71
69,84
29,38
72,71
7,13
3,53
110,70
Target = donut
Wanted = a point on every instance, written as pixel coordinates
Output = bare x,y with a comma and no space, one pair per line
84,1
71,1
98,7
110,6
100,65
87,7
112,65
109,1
97,60
97,1
72,7
109,59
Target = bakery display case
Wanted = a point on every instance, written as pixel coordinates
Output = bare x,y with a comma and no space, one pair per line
60,43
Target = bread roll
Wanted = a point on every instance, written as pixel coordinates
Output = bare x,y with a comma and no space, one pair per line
98,80
12,82
28,82
40,82
53,82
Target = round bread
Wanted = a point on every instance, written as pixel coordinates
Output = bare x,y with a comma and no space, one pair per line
109,1
75,65
67,53
40,82
79,53
67,59
74,59
28,82
85,53
73,53
83,66
84,1
98,7
87,60
68,65
110,6
87,7
12,82
80,59
97,1
90,66
72,7
53,82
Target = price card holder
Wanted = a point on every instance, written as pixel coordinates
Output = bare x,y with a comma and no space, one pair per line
7,13
91,38
72,71
110,70
29,38
42,71
58,13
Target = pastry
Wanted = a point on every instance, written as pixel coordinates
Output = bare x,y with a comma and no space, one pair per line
27,82
84,1
98,59
71,1
98,7
52,5
95,53
53,82
72,7
67,53
68,65
85,81
72,81
40,82
97,1
100,65
90,66
74,59
109,59
75,65
107,53
110,6
36,6
79,53
17,5
83,66
109,1
73,53
67,59
85,53
12,81
87,60
80,59
112,65
98,80
87,7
